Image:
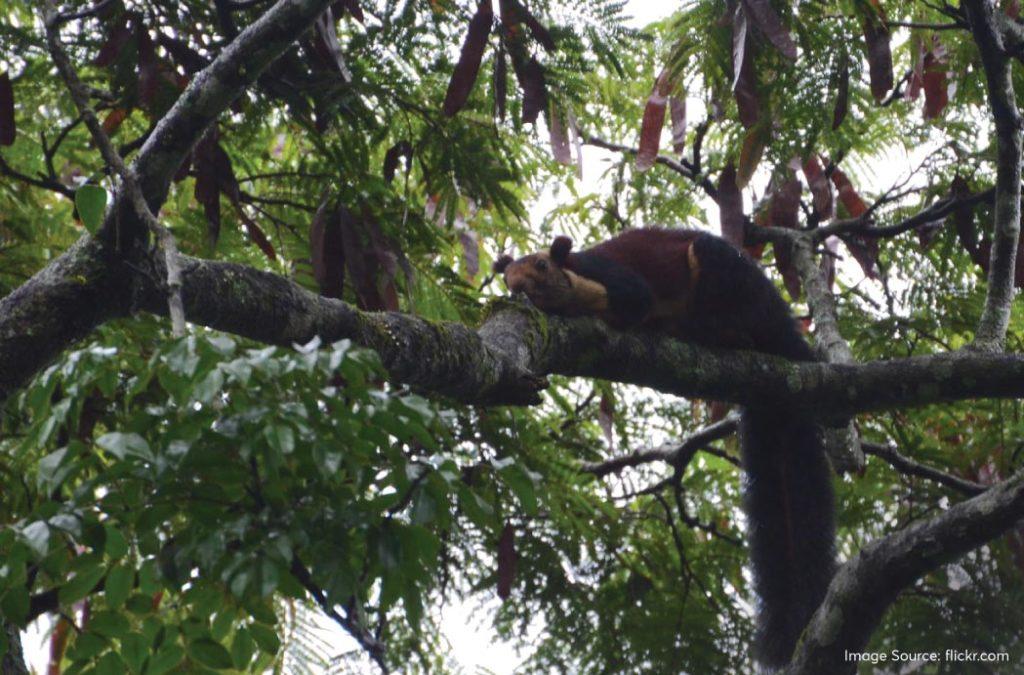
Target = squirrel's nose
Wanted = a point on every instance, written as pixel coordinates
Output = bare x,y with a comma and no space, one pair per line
517,285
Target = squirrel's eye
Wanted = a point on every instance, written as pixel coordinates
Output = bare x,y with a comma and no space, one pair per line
542,265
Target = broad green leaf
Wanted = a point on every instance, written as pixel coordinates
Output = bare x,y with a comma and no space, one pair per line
110,664
265,637
86,646
15,605
50,469
165,659
109,624
81,584
521,483
242,649
281,438
479,511
122,445
37,536
269,575
116,545
118,585
91,202
134,650
210,653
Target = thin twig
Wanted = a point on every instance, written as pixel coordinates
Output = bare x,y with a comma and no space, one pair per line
935,211
928,26
671,453
50,151
905,465
373,646
693,523
44,183
60,19
675,165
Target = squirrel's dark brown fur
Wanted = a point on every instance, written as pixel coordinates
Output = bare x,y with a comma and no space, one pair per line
697,287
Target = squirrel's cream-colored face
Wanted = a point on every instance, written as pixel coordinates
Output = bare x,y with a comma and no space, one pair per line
547,285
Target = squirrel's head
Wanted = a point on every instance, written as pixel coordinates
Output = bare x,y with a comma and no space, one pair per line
541,276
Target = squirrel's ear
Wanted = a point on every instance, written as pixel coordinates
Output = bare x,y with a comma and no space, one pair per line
560,248
501,263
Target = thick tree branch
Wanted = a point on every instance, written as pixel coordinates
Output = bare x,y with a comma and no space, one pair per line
13,660
59,305
995,318
819,298
496,364
865,586
1012,34
449,359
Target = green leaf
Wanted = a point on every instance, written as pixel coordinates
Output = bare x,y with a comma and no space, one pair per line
118,586
37,536
149,580
424,508
210,653
210,387
240,582
263,612
109,624
222,624
123,444
265,637
15,605
110,664
116,546
478,510
413,606
224,345
139,604
389,549
521,483
269,575
86,646
165,660
51,472
134,650
281,439
81,584
242,649
91,202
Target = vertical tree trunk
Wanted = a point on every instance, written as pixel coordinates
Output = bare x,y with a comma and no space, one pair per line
13,661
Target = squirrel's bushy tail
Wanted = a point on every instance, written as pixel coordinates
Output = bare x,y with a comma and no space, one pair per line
788,502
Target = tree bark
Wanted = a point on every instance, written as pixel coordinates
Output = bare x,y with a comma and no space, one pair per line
991,41
13,661
868,583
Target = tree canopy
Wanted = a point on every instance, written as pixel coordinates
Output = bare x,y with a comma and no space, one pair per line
257,375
